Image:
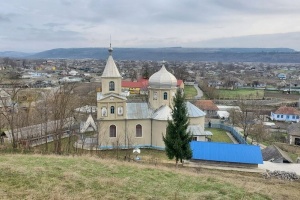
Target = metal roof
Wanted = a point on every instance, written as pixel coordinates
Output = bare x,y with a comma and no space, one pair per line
226,152
162,79
110,69
163,113
198,130
138,111
194,111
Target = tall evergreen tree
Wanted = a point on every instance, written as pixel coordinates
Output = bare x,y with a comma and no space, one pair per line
177,139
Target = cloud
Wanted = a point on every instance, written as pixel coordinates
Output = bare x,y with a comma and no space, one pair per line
5,18
139,23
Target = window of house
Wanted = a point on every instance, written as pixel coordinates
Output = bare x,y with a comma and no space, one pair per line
111,86
287,116
277,116
293,117
281,116
194,138
138,131
165,95
112,131
112,109
297,117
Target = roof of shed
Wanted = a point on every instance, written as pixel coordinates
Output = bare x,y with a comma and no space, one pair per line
226,152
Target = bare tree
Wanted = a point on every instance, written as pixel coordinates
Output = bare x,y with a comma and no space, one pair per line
245,118
62,105
9,112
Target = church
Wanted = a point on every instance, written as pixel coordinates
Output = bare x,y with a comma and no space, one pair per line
125,124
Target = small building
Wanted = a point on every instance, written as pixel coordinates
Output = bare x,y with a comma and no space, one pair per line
274,154
226,154
281,76
294,133
141,86
5,99
287,114
208,107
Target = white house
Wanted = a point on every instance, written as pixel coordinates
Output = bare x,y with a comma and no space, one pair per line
285,113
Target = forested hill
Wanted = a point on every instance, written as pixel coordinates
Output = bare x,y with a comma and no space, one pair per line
272,55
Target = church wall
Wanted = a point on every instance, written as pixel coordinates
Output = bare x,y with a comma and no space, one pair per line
158,129
119,109
156,97
145,140
197,120
104,130
105,84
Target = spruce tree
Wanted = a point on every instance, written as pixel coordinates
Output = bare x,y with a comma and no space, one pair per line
177,139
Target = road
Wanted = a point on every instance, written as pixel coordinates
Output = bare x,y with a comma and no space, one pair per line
199,92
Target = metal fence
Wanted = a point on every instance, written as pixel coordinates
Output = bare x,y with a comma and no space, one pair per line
233,131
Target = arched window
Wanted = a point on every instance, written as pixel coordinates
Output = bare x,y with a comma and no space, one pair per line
165,95
138,131
112,110
111,86
112,131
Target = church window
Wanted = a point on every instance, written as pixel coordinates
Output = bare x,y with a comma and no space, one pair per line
165,95
111,86
112,110
138,131
112,131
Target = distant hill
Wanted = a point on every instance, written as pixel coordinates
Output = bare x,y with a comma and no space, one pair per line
14,54
272,55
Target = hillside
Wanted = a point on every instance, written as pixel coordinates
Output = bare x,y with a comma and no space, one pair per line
84,177
276,55
271,55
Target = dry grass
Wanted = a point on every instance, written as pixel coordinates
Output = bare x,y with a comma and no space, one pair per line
85,177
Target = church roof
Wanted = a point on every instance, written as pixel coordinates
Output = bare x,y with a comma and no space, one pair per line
101,96
197,130
194,111
163,113
162,79
110,69
138,111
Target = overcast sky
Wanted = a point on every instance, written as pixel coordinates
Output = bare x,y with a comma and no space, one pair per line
36,25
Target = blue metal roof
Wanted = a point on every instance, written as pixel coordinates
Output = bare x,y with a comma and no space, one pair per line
226,152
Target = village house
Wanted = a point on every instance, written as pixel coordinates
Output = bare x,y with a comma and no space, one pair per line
287,114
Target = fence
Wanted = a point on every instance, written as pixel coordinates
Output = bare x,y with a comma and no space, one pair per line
235,133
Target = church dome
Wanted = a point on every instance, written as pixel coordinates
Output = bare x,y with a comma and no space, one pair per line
162,79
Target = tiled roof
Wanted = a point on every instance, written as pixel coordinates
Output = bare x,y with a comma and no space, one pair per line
206,105
287,110
141,83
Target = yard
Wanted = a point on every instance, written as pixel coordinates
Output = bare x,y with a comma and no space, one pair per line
219,135
241,94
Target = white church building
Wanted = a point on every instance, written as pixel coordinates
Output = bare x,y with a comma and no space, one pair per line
125,124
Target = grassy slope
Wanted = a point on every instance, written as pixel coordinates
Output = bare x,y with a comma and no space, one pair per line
53,177
190,91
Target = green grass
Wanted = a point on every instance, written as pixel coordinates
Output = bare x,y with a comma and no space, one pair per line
241,94
219,135
190,91
56,177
